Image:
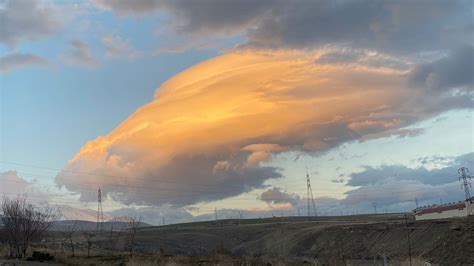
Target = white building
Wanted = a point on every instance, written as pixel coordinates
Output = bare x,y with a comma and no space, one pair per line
449,210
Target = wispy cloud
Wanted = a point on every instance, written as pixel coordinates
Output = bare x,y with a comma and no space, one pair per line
115,46
13,61
80,54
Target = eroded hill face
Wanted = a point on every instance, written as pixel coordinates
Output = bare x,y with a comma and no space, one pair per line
327,240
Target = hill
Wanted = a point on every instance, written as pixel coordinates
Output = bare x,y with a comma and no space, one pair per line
80,225
351,238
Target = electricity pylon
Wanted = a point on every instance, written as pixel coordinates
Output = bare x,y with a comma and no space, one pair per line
310,194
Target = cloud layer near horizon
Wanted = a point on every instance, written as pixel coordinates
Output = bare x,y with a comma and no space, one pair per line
209,129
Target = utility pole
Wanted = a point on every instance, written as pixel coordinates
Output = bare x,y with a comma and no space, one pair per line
375,207
408,238
240,216
215,213
163,220
298,211
416,202
310,194
466,181
100,213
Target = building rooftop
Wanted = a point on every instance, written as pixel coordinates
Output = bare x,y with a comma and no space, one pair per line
440,208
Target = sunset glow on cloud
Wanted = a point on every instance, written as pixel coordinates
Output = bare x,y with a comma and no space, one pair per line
216,123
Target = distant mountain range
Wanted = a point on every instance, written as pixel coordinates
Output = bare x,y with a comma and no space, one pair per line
65,225
86,219
71,213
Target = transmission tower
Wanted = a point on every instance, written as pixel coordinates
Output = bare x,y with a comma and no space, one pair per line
310,194
466,181
100,213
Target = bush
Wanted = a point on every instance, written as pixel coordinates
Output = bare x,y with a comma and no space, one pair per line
40,256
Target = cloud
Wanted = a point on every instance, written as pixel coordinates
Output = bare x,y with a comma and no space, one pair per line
24,20
209,130
154,215
277,196
129,8
393,192
387,190
437,176
12,185
15,61
453,71
397,184
404,26
115,46
80,54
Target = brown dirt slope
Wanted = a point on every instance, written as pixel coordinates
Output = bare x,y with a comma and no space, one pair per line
352,238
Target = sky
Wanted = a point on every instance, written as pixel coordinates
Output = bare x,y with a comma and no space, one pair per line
177,109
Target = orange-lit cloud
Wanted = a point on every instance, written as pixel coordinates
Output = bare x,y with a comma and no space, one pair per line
210,128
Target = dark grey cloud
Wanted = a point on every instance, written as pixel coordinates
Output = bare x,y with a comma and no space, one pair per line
397,186
26,20
204,16
130,8
275,196
444,175
393,192
402,26
80,54
15,61
453,71
199,181
391,188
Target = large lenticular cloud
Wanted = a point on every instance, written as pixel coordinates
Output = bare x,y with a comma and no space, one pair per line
208,130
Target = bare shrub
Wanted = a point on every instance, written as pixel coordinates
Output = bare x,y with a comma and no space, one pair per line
24,223
68,237
133,225
88,236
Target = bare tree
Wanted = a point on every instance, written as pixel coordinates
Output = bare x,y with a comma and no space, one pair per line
25,223
68,235
133,225
112,239
88,236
